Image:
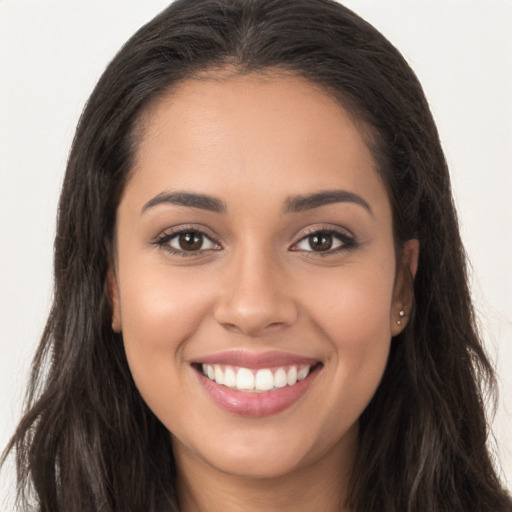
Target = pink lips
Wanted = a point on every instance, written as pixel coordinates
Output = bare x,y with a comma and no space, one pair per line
262,403
254,360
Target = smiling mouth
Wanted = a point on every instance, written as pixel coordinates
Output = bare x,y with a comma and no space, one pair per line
262,380
256,385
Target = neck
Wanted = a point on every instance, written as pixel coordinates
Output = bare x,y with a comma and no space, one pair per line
319,487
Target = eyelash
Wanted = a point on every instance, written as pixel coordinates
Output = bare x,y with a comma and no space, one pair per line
163,241
347,241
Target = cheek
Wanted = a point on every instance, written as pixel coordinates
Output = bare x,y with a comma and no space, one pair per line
353,305
161,303
351,312
160,311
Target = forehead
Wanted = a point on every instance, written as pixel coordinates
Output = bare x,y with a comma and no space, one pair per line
266,134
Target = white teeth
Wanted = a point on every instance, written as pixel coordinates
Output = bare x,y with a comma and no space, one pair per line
291,378
219,376
264,380
244,379
280,378
230,378
303,372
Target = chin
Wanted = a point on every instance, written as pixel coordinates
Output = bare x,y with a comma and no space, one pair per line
270,452
257,463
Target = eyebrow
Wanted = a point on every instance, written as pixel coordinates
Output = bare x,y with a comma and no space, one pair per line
293,204
190,199
301,203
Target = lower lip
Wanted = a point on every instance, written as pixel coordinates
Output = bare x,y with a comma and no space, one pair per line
256,404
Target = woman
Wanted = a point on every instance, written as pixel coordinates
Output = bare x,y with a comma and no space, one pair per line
260,297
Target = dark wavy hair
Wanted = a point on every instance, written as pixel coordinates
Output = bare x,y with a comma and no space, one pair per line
88,442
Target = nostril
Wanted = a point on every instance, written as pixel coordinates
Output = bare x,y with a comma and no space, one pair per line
255,318
231,327
253,329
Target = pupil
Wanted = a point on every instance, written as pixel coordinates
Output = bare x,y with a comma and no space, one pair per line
320,242
191,241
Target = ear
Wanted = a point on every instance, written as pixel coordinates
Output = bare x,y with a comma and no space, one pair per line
403,296
113,294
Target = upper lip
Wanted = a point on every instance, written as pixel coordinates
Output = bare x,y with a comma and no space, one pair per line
246,359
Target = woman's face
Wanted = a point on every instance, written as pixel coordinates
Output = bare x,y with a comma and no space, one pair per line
255,280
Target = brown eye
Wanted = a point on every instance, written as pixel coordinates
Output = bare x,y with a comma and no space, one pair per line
191,241
187,242
320,242
325,241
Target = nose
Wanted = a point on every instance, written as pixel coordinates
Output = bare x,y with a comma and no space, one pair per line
255,298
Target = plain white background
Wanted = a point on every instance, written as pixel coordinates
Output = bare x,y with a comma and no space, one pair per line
53,52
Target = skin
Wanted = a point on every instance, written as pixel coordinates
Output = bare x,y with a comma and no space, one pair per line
253,141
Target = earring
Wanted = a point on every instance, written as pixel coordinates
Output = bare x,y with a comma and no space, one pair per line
401,314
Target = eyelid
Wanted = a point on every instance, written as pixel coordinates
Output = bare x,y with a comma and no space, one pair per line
163,239
325,228
347,239
344,236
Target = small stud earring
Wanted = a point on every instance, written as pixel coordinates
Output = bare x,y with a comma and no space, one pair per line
401,314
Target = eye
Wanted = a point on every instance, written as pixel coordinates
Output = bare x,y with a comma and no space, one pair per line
325,241
186,241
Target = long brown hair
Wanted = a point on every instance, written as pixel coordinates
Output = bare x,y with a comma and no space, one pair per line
88,442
